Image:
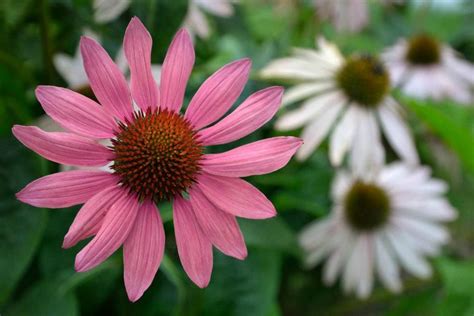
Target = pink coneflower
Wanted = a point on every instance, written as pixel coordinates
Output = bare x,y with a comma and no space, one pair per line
156,154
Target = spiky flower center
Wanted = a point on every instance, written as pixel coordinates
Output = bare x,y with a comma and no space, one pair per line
157,155
367,206
364,80
423,50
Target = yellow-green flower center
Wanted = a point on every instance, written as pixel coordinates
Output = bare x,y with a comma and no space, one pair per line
157,155
423,50
366,206
364,80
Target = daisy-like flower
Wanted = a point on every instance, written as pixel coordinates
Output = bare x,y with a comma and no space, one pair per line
108,10
351,95
425,68
378,225
346,15
156,154
196,22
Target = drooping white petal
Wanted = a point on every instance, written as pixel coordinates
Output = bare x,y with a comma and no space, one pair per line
314,133
343,135
397,132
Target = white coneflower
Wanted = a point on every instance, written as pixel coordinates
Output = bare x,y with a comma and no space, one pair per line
108,10
345,15
351,95
378,225
425,68
196,21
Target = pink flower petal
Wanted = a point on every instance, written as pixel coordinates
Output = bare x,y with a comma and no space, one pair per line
117,224
177,67
106,79
260,157
219,227
76,112
194,249
143,250
63,148
64,189
255,111
90,217
217,94
236,196
137,45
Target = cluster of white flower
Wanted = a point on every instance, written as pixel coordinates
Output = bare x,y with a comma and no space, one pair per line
384,216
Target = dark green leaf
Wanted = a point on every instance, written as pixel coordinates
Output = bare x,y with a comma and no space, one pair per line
242,288
458,137
21,226
269,234
45,298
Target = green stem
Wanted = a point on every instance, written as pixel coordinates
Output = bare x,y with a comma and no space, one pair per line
46,40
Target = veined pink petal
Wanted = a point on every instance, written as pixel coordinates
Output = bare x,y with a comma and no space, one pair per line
90,217
217,94
63,148
117,224
236,197
76,112
177,67
143,250
255,111
194,249
260,157
64,189
106,79
137,46
219,227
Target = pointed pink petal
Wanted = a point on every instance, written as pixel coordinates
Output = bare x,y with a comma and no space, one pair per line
117,224
255,111
217,94
260,157
137,46
90,217
63,148
236,197
143,251
177,67
106,79
64,189
76,112
219,227
194,249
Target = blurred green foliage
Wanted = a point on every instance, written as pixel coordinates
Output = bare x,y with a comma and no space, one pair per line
36,275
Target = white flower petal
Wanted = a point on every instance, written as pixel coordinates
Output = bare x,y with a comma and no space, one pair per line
397,132
343,135
386,265
367,154
309,110
409,258
305,90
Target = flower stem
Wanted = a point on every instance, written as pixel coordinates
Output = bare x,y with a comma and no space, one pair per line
46,40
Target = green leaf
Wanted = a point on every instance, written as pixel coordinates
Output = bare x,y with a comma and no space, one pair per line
21,226
242,288
45,299
14,11
458,280
458,137
269,234
458,277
